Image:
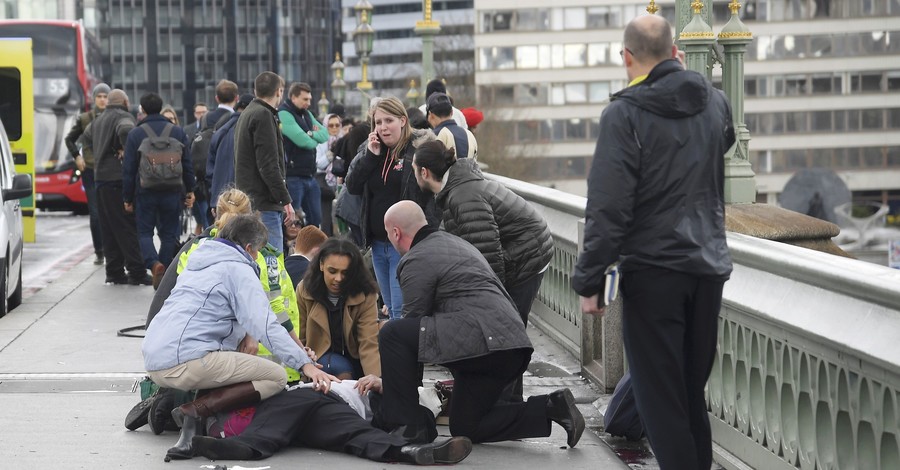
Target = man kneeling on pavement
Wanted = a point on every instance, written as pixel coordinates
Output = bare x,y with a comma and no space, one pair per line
457,314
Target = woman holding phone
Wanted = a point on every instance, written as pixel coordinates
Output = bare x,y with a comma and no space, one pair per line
384,176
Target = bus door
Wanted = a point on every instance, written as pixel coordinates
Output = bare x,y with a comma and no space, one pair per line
17,114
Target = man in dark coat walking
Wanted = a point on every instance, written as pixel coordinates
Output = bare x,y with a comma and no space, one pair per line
108,134
656,206
458,315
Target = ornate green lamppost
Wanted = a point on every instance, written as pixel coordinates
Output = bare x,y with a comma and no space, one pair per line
427,28
740,181
363,38
338,85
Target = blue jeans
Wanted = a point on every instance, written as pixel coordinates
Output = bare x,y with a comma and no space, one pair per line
159,210
306,194
90,192
385,260
199,211
273,222
336,364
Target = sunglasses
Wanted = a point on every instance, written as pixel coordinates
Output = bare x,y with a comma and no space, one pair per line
334,126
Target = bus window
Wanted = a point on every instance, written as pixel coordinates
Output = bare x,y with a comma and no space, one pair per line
11,101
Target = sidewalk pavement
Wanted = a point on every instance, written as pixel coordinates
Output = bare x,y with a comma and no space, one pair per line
67,381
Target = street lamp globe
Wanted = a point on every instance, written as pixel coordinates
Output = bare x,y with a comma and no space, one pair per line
323,105
363,38
363,11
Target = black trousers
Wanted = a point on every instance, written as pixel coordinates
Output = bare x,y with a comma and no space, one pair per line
119,233
523,295
478,383
670,324
307,418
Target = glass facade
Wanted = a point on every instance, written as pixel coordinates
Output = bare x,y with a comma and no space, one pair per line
182,48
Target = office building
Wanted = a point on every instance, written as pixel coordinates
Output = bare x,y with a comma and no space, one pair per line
822,85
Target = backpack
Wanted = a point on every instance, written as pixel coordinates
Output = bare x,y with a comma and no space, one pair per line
621,418
200,146
160,165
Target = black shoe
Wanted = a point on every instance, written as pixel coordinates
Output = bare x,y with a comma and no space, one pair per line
562,410
145,280
98,260
161,410
451,451
116,280
221,449
137,417
183,449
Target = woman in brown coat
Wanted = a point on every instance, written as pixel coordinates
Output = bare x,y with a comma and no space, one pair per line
338,312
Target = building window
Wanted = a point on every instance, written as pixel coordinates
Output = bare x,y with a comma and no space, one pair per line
598,92
575,55
527,57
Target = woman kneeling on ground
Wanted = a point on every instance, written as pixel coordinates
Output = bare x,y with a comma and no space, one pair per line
216,310
338,311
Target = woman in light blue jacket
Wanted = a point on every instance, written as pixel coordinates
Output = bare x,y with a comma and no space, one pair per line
217,309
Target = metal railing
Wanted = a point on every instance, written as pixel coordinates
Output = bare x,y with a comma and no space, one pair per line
807,369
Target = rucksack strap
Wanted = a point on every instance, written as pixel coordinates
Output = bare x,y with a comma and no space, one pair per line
164,134
167,131
149,130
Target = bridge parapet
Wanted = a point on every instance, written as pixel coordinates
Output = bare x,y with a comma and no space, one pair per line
807,369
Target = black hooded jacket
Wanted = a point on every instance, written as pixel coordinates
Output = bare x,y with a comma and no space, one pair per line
514,239
656,185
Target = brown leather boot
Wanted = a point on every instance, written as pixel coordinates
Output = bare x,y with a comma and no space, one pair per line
190,415
227,398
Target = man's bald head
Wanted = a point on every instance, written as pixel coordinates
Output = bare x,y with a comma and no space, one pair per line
117,97
649,39
402,221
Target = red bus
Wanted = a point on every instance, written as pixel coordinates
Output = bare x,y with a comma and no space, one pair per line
67,65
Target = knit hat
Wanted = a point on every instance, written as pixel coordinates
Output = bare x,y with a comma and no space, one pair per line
101,88
435,86
473,117
117,97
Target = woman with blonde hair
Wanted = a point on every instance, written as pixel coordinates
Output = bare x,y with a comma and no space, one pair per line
169,113
384,176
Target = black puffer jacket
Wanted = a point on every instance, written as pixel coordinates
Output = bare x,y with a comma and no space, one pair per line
369,162
465,311
505,228
656,186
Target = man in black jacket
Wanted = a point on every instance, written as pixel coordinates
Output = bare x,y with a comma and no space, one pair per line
458,315
656,206
259,168
108,134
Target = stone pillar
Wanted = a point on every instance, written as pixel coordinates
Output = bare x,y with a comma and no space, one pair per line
697,39
740,181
